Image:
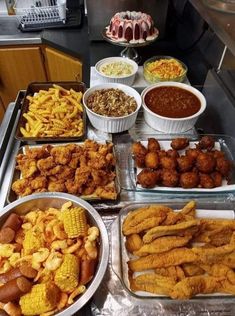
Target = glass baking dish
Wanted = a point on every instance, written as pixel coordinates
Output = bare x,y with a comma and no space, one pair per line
35,87
127,164
16,175
223,208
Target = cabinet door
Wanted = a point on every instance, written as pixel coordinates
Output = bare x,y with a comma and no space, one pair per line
19,67
62,67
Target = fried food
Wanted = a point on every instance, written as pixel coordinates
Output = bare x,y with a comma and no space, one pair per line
169,178
133,242
191,269
179,143
174,272
162,244
56,112
189,180
152,283
153,145
144,218
176,229
220,270
212,255
87,169
173,257
200,167
151,160
206,142
148,178
205,162
191,286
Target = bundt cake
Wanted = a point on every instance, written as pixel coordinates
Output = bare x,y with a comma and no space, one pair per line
133,27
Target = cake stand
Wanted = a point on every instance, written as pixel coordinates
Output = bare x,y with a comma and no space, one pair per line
129,51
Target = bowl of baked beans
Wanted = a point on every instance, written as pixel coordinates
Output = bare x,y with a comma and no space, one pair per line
112,107
172,107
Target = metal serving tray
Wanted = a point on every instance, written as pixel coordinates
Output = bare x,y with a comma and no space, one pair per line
16,174
223,142
33,88
224,209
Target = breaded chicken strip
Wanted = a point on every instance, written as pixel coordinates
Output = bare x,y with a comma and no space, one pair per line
159,231
144,218
152,283
162,244
191,286
173,257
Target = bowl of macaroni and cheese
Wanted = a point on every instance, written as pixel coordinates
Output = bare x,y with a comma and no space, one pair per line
117,70
164,68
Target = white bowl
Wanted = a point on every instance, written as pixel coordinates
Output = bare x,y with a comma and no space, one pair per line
125,79
172,125
112,124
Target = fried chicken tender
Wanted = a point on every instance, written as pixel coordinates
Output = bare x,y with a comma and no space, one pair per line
37,153
22,187
39,182
175,272
46,163
144,218
162,244
28,167
152,283
159,231
179,143
61,154
153,145
191,286
133,242
58,186
172,257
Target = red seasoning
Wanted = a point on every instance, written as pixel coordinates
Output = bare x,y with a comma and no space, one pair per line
172,102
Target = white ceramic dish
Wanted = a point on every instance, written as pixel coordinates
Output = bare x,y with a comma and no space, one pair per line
112,124
172,125
124,79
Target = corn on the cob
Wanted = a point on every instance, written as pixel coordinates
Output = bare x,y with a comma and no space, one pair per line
33,240
41,299
66,277
75,223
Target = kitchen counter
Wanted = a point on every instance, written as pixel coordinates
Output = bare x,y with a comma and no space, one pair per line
222,23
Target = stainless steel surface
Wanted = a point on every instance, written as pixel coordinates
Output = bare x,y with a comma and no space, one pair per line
45,200
223,24
10,34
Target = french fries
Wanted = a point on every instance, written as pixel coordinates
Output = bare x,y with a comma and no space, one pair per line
54,113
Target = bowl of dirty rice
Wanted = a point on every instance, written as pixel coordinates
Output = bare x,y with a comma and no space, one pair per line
112,107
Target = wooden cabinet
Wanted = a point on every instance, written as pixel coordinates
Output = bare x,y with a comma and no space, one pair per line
18,67
21,65
62,67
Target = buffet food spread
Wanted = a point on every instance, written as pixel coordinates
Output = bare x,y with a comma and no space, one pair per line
54,246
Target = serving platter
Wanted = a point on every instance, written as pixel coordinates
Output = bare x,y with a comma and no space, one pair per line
120,255
16,175
222,142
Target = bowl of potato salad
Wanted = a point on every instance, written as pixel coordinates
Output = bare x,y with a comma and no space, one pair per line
54,253
116,70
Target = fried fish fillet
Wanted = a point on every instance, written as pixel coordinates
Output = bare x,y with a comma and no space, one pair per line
212,255
175,272
162,244
173,257
152,283
208,224
191,286
217,237
220,270
159,231
227,287
189,208
144,218
191,269
133,242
